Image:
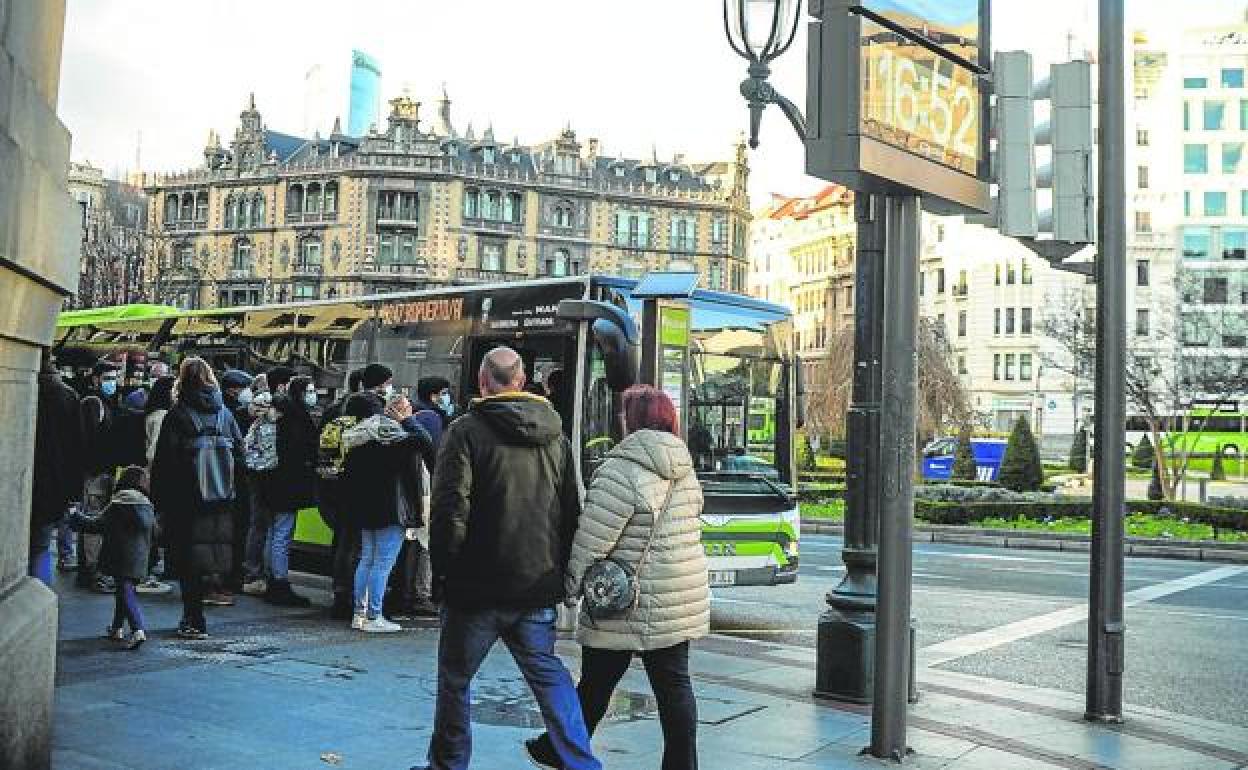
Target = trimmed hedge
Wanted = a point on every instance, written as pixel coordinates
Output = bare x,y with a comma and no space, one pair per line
968,513
825,477
814,493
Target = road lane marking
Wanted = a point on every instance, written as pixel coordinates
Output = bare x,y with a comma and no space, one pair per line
981,641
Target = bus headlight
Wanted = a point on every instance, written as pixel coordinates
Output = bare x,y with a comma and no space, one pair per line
790,548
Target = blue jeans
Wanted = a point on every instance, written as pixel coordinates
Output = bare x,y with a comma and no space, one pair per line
277,544
467,637
126,606
64,540
379,548
40,565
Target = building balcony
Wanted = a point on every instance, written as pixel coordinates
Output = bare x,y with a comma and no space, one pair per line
241,273
493,226
398,218
307,270
186,224
477,275
564,233
310,217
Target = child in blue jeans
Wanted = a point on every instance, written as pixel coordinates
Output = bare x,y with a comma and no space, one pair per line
128,524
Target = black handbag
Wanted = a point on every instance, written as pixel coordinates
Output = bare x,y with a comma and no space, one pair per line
610,588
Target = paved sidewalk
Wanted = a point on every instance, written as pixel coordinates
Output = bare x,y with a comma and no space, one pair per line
288,689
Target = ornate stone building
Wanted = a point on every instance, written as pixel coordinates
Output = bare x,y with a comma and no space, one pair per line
276,217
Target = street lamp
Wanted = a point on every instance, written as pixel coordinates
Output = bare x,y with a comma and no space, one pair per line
759,31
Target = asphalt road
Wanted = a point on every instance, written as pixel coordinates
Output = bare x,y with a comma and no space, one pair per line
1187,622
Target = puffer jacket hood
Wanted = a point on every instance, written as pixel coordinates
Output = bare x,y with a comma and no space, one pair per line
378,428
657,451
207,400
520,418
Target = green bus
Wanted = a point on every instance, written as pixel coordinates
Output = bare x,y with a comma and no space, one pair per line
725,360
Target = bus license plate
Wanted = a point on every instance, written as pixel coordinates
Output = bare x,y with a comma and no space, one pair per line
723,577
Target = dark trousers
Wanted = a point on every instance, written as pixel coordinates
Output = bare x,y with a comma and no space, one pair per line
346,556
192,584
126,605
412,578
668,671
241,525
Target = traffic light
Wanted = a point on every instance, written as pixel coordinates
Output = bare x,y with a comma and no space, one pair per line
1068,133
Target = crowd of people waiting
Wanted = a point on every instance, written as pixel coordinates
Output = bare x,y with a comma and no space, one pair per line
478,520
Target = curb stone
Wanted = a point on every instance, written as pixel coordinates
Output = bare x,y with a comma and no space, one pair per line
1156,548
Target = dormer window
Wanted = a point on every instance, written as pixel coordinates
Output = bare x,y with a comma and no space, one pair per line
515,156
619,171
674,176
487,155
652,176
452,150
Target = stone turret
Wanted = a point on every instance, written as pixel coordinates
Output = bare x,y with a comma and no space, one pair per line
445,126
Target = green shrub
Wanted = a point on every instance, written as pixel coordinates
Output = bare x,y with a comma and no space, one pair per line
1021,470
1079,452
1143,454
1219,518
964,459
805,453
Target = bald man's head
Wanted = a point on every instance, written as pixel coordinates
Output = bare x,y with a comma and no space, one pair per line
502,371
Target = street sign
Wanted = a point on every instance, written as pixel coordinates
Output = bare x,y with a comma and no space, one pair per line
896,99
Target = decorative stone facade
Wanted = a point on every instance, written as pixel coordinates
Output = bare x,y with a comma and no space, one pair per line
276,217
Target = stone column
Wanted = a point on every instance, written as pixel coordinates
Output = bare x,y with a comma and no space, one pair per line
38,267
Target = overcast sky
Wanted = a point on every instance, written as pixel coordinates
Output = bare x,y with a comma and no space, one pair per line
635,74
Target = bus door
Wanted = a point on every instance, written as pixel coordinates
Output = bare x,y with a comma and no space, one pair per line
549,362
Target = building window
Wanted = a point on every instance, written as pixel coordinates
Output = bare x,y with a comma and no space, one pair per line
684,234
242,255
559,263
1232,155
1243,114
201,208
1009,366
1141,272
922,283
716,278
1141,177
230,216
491,256
472,202
1026,273
312,201
1243,202
652,176
1197,242
1234,243
1214,116
385,249
1024,320
997,274
940,280
1215,204
1187,203
1195,159
1194,83
1214,290
1143,221
1187,116
257,211
305,291
1009,273
1009,320
1233,78
493,207
996,366
1024,366
564,214
961,323
331,199
183,256
996,320
1141,137
310,255
487,154
1141,322
961,364
719,231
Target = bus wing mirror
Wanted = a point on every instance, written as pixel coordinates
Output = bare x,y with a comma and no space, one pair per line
614,333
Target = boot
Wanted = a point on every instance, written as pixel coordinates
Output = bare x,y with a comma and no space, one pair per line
280,593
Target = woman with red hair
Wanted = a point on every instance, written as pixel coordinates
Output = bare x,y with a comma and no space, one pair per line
644,499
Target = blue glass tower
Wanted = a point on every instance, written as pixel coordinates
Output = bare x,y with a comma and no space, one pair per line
365,106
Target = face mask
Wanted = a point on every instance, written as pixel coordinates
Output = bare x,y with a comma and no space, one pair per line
108,387
244,396
445,401
387,392
309,397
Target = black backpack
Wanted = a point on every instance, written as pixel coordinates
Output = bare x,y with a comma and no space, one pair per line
212,458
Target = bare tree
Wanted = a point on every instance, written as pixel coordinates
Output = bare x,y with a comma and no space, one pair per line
944,405
1163,376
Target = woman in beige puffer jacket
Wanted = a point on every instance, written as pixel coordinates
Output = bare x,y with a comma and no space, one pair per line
623,508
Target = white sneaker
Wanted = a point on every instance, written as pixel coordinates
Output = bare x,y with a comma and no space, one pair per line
257,587
379,625
153,586
358,621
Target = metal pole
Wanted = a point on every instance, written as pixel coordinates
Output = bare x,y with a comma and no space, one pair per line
1105,615
899,374
846,638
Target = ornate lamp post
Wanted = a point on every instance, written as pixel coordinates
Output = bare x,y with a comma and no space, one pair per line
759,31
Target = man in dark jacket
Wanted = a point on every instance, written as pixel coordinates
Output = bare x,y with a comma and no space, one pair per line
290,486
57,476
503,514
434,406
101,452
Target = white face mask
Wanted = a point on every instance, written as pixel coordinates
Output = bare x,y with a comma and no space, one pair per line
244,396
309,397
387,392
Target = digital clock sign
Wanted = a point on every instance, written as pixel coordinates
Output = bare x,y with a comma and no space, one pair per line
896,99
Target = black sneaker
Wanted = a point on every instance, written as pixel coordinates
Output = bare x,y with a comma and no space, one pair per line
540,754
281,594
425,610
187,631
